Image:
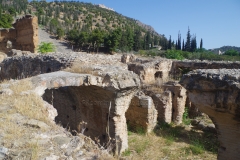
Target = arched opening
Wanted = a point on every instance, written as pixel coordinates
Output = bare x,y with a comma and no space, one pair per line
158,75
48,70
83,109
141,115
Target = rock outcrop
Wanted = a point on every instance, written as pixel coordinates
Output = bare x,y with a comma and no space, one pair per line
216,92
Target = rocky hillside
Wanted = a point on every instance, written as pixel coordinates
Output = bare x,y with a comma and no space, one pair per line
62,17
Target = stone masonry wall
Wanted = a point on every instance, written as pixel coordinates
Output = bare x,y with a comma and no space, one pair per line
163,103
24,35
150,71
141,114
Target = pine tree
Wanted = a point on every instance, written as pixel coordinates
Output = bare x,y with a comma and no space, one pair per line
201,43
188,41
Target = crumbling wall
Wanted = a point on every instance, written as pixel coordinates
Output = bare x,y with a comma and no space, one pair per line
170,103
5,36
182,67
141,114
163,103
179,96
150,71
24,35
19,67
27,33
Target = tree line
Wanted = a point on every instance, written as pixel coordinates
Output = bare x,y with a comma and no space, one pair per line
89,26
190,45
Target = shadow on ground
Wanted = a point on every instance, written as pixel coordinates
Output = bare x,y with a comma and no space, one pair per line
204,140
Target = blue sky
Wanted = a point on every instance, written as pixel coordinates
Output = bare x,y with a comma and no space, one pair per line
217,22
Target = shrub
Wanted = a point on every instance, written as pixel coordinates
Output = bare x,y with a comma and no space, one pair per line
45,47
174,54
231,52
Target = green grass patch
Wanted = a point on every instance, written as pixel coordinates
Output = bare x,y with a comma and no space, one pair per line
126,153
186,119
196,147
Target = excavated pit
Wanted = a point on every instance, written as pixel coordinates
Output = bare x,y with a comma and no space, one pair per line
76,105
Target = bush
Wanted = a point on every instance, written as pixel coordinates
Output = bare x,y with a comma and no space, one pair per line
174,54
231,52
45,47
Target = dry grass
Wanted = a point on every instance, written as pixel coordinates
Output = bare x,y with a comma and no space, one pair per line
171,143
81,68
28,104
15,107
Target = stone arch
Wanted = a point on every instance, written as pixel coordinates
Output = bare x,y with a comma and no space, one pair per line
81,97
218,97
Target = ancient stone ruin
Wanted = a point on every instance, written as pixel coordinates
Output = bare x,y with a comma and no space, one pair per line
111,93
216,92
23,36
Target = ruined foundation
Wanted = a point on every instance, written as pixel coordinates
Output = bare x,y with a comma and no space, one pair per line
110,100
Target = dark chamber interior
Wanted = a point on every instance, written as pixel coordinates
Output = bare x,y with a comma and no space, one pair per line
88,104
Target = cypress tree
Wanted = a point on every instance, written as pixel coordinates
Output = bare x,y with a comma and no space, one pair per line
179,41
201,43
170,43
176,46
183,46
193,43
188,41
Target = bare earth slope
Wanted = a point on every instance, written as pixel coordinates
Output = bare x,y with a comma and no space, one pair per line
61,46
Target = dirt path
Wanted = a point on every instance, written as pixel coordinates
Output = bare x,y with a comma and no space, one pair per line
61,46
